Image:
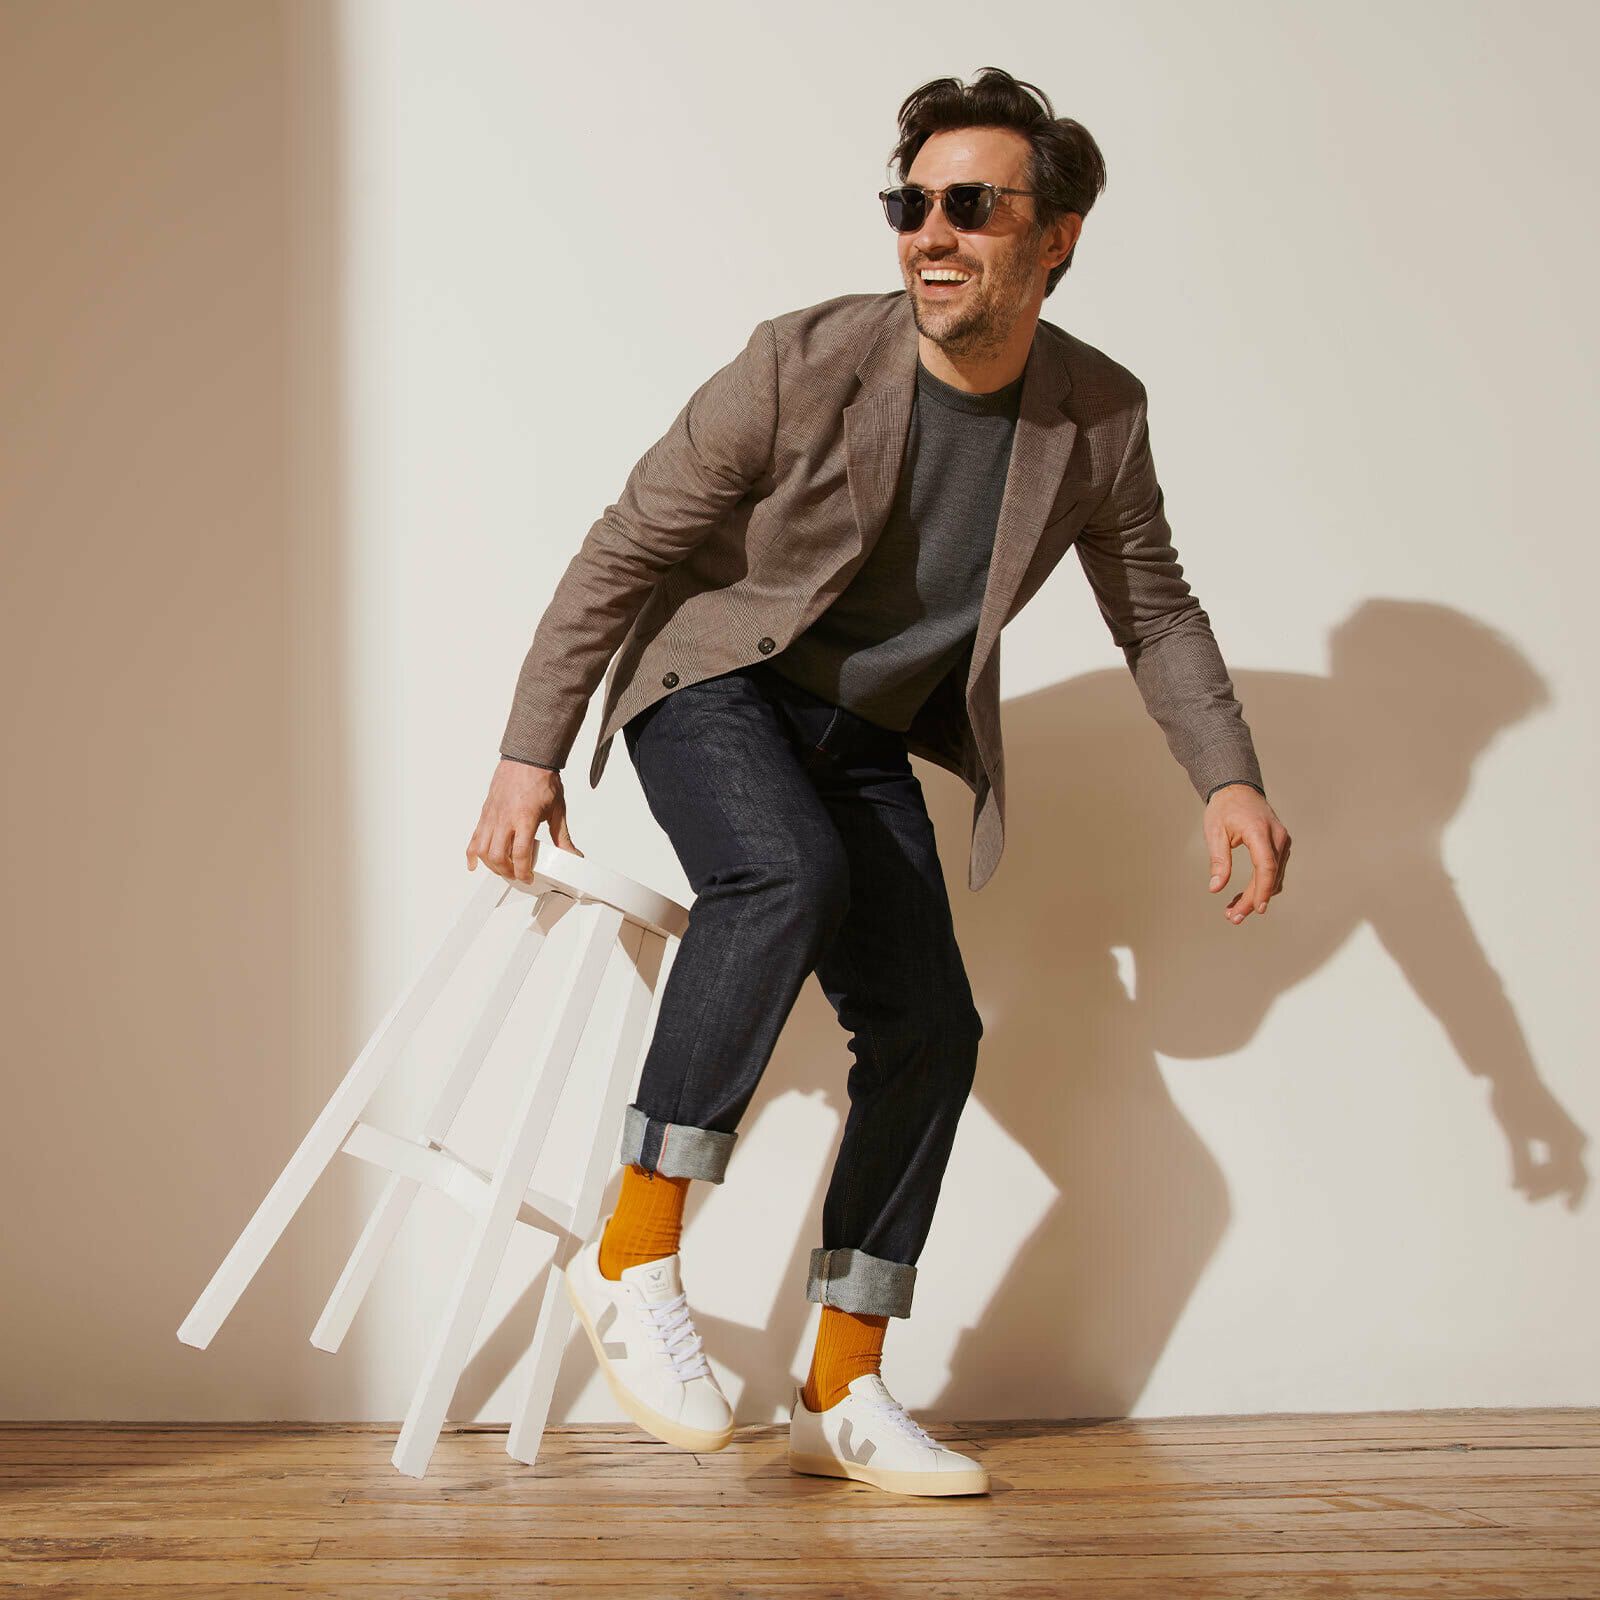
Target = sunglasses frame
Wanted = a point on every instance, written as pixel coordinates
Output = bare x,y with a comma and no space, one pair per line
936,197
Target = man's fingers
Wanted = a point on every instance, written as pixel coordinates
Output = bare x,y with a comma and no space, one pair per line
1221,854
523,847
506,838
1263,868
499,857
558,830
1267,841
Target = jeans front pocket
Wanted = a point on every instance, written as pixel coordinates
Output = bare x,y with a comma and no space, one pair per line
829,739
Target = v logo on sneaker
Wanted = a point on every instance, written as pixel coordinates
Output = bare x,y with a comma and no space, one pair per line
848,1448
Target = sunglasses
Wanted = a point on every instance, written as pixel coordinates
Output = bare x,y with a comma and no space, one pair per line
967,206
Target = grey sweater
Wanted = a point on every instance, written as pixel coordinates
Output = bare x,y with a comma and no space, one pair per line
912,607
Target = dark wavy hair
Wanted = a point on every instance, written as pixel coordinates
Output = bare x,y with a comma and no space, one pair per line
1064,167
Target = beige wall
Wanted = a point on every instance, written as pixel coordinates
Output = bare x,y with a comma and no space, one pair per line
312,319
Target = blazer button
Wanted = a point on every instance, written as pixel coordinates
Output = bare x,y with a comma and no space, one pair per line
765,645
670,680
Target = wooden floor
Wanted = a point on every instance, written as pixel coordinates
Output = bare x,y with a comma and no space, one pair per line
1442,1503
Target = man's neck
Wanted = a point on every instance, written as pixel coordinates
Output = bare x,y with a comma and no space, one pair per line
982,372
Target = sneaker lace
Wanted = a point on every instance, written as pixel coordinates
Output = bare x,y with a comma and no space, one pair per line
677,1338
896,1414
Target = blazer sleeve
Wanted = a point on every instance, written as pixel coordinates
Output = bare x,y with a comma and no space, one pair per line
1127,554
719,444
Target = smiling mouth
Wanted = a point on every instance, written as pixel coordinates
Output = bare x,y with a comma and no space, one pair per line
941,286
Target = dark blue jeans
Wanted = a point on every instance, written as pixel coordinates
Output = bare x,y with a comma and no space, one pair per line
804,834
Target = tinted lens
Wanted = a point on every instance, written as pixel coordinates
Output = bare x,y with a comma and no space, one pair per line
967,205
905,208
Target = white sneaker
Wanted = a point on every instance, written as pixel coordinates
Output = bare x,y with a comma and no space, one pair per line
867,1435
649,1352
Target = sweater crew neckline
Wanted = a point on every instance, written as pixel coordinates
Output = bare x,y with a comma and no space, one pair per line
997,402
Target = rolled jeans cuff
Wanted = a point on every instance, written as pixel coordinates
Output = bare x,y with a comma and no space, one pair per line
674,1149
854,1281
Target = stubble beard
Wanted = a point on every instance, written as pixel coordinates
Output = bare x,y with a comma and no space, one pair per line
976,329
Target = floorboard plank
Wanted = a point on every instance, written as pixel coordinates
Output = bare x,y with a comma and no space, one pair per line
1463,1505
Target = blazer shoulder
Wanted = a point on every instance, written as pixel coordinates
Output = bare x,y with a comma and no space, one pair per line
839,328
841,314
1101,385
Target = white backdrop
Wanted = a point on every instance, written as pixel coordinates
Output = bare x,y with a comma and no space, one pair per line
323,312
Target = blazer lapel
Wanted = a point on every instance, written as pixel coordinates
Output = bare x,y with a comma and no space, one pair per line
877,421
1039,451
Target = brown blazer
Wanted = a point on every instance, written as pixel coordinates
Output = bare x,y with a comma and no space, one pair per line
740,525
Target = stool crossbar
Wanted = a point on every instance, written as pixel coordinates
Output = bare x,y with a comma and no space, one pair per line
613,913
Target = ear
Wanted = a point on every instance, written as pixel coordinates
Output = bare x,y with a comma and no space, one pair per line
1067,228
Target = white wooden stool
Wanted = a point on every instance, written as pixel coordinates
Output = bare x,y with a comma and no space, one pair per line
614,911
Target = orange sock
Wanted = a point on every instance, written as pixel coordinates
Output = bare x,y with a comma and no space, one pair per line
849,1343
647,1223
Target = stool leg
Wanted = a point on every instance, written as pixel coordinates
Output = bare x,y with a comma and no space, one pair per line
644,948
337,1118
399,1192
513,1172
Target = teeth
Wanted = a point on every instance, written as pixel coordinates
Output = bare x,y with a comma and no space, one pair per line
945,277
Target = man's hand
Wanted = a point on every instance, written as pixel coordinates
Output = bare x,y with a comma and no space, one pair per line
520,798
1237,814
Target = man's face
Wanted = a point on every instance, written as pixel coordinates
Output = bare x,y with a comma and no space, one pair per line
1007,266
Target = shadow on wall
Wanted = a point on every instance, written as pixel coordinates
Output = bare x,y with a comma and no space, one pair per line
1104,850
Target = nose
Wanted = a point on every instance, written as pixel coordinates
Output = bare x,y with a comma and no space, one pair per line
935,237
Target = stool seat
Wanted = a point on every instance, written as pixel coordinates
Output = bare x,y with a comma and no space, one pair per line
613,913
585,879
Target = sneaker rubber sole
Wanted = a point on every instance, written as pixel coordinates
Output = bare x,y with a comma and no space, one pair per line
973,1481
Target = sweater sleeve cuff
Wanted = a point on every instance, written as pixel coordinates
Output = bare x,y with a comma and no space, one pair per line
1226,781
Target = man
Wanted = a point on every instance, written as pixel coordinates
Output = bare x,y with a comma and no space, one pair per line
803,583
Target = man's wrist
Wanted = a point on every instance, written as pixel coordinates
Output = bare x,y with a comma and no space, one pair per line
505,755
1227,781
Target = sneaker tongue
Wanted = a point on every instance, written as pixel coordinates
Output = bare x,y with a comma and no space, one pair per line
871,1383
657,1281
